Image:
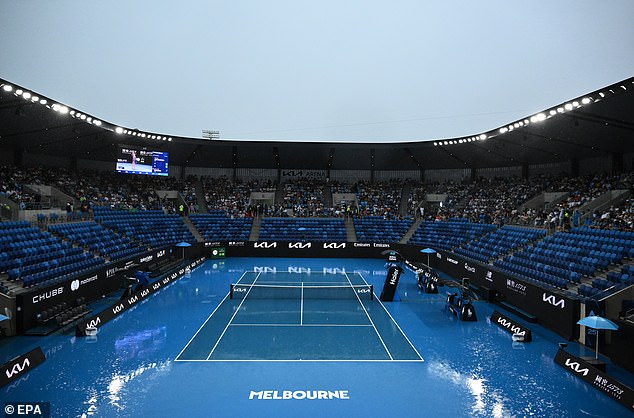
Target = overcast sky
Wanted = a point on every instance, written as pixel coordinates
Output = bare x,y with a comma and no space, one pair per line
365,71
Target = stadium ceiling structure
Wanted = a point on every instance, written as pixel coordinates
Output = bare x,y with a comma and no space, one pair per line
597,124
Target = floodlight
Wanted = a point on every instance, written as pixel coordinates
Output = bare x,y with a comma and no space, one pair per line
82,117
55,107
118,130
169,139
585,100
503,130
7,88
575,103
26,95
553,112
568,106
43,102
19,92
483,137
97,122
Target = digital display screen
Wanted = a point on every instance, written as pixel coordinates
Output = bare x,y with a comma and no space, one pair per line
140,161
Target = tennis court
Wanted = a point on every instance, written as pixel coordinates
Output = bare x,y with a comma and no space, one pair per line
286,316
130,369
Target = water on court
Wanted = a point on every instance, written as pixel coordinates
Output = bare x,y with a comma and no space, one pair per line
468,368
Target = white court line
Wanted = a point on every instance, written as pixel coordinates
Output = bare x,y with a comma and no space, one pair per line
395,323
301,325
301,307
372,322
207,320
306,361
233,316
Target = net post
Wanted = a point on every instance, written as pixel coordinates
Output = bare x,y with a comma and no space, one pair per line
231,291
371,292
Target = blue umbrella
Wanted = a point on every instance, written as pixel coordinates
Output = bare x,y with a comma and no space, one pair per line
428,251
183,244
597,322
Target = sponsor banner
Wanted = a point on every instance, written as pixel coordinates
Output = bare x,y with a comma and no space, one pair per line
21,365
123,305
313,249
89,286
556,311
511,326
314,174
391,281
600,380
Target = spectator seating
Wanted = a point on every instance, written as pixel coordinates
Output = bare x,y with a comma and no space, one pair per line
94,237
447,235
378,229
36,257
153,227
288,229
500,241
216,226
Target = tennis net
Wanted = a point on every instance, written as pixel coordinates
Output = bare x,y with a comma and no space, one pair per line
264,291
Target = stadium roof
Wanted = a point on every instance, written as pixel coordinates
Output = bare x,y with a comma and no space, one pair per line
599,123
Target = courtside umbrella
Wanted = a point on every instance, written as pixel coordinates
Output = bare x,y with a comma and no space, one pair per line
183,245
598,323
428,251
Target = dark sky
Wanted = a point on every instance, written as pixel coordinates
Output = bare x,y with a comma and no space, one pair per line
312,71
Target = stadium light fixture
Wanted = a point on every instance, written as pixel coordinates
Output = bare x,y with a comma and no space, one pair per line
8,88
586,100
483,137
568,106
538,117
43,101
504,130
19,92
169,139
26,95
35,98
118,130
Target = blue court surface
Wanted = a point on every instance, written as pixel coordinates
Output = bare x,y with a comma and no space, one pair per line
301,337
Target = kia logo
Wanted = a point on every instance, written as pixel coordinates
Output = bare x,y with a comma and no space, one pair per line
265,245
553,301
74,285
17,368
576,367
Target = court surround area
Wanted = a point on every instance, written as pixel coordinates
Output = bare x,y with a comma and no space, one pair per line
192,350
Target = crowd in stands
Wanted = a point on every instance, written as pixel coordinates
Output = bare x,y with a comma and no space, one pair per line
381,198
499,200
304,198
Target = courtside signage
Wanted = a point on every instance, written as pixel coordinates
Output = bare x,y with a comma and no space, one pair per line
108,314
21,365
511,326
600,380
